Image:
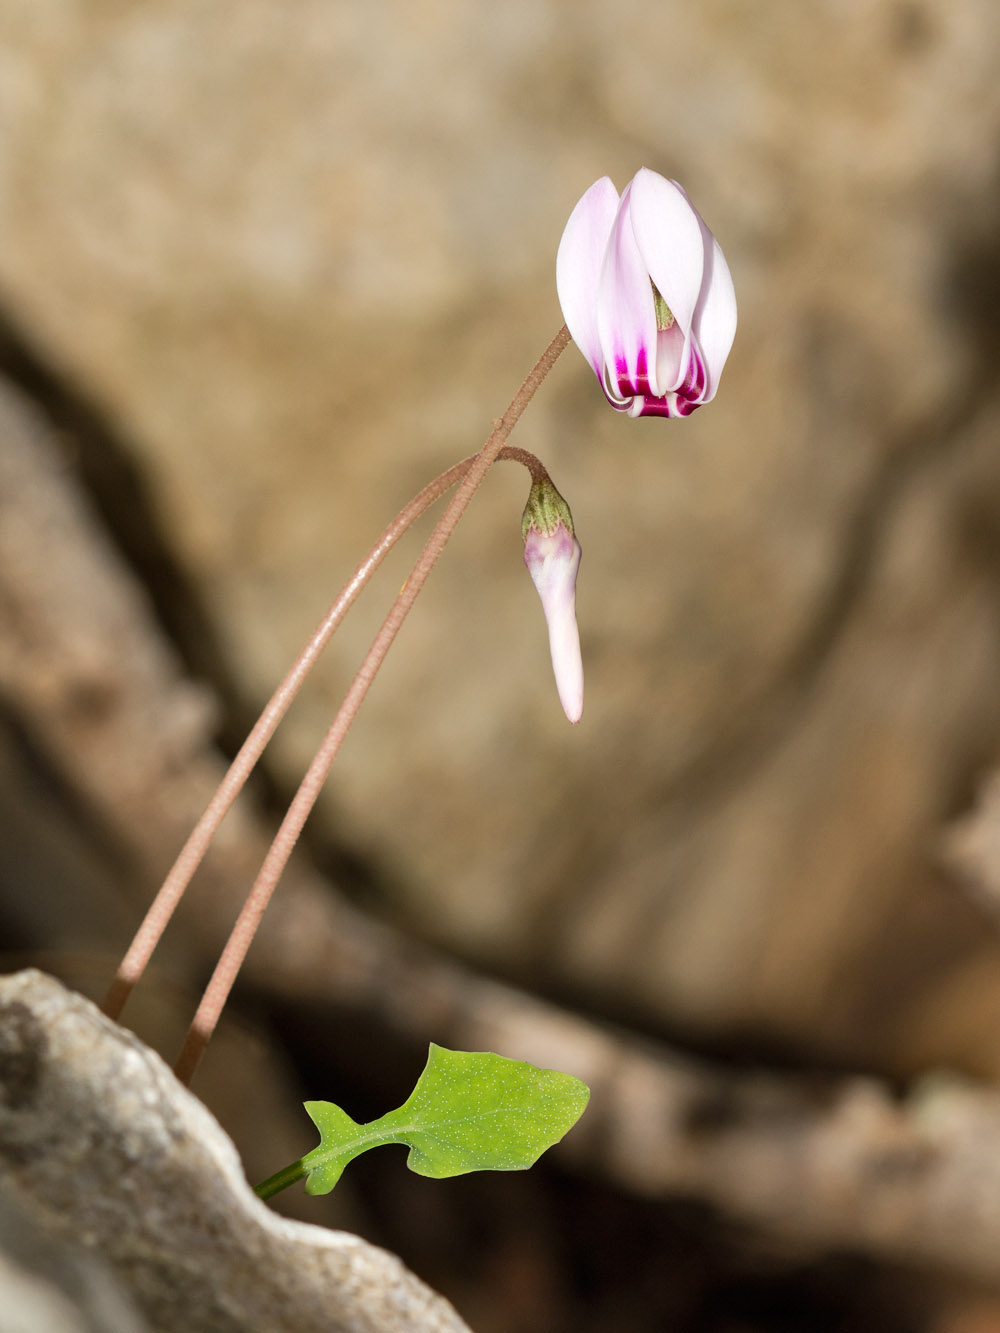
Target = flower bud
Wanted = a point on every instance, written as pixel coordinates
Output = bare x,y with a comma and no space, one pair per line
552,555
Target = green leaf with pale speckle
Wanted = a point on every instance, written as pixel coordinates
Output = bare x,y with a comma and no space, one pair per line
470,1111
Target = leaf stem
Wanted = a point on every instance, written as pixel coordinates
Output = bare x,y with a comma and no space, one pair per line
281,1180
222,979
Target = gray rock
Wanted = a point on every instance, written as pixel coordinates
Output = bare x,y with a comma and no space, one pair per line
106,1152
54,1285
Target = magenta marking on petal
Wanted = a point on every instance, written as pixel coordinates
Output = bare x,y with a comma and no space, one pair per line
617,403
702,373
642,373
634,383
655,407
621,403
696,379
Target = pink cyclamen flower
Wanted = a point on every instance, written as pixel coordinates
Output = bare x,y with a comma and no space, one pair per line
646,293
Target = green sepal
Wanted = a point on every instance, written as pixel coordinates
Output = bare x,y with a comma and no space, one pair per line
664,315
545,510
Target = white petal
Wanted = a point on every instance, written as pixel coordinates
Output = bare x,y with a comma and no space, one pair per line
578,267
567,663
714,324
553,561
672,356
668,232
626,315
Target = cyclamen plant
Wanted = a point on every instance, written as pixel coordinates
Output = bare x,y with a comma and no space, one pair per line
647,296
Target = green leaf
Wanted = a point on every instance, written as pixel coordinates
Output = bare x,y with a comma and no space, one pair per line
470,1111
341,1140
475,1111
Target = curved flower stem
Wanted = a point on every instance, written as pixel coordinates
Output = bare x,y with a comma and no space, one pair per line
163,906
534,465
241,937
147,937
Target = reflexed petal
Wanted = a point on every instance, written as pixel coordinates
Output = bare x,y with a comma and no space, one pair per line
668,232
626,318
715,316
696,378
578,267
672,356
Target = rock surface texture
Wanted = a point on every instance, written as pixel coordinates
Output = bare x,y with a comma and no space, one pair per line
106,1153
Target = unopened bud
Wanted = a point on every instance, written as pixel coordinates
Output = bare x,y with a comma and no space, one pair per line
552,555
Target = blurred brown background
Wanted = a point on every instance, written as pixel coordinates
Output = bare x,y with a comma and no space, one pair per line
266,268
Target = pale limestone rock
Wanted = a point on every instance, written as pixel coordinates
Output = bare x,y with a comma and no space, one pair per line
103,1148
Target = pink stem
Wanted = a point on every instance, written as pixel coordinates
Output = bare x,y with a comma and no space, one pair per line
165,903
222,979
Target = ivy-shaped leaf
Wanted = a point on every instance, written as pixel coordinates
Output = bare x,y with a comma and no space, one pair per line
470,1111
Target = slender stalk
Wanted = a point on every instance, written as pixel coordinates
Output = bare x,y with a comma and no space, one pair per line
534,465
281,1180
179,877
241,937
147,937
